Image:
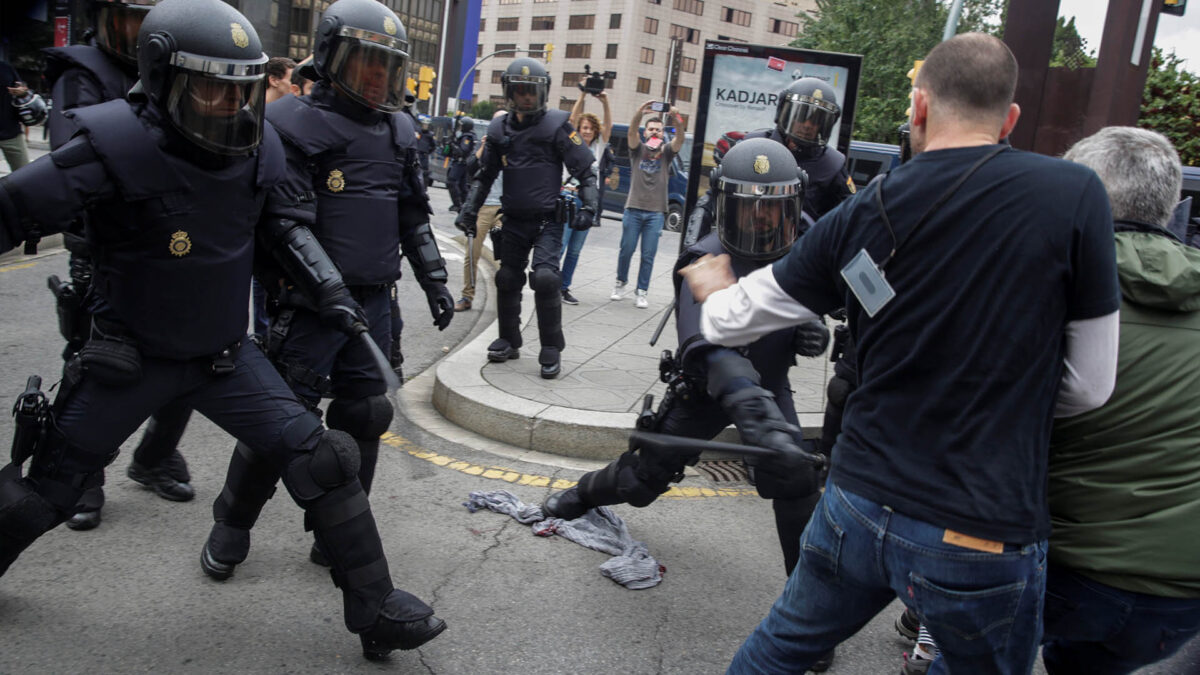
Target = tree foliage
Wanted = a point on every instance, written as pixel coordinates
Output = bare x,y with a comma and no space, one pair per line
890,35
1171,105
1070,48
483,110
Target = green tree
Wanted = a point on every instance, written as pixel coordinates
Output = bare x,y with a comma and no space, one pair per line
483,110
1171,104
1070,48
890,35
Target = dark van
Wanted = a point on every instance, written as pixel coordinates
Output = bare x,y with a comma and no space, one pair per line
614,198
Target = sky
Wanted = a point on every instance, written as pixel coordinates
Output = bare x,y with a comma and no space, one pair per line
1178,33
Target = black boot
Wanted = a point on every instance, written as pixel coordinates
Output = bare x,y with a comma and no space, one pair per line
500,351
162,478
566,504
551,362
404,623
225,549
249,483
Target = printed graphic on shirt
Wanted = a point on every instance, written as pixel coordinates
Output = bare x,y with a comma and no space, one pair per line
650,166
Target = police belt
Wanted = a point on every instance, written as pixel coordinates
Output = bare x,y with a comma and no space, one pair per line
539,215
221,363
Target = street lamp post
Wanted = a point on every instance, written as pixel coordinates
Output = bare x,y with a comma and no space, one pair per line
485,57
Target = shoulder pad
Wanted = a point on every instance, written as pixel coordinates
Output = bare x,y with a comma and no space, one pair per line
827,166
304,126
768,132
709,244
75,152
404,131
114,81
128,150
272,165
555,119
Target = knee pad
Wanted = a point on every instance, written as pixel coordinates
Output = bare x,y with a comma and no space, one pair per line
333,463
545,280
838,391
363,418
509,279
24,516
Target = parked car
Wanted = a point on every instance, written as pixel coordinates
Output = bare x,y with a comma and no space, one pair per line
614,198
443,129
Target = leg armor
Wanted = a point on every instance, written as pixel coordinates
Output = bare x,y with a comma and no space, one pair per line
509,283
24,515
546,283
249,484
157,462
365,419
791,517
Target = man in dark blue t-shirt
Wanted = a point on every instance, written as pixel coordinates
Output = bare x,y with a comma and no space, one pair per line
980,283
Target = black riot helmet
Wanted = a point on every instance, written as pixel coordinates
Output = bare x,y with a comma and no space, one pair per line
467,124
200,62
362,50
807,114
759,196
116,25
526,86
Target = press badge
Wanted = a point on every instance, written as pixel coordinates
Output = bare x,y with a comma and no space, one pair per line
867,283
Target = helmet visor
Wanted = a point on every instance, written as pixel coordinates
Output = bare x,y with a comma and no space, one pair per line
370,72
757,227
117,29
222,114
807,120
526,93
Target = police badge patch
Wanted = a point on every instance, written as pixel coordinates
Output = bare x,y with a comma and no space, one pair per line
389,26
850,184
762,164
575,138
524,70
180,244
239,35
336,181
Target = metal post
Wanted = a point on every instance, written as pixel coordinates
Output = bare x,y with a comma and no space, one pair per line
463,81
952,20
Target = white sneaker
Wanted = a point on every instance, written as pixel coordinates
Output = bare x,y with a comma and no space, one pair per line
618,291
642,302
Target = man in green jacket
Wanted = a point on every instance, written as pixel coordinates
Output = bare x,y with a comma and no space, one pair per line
1123,586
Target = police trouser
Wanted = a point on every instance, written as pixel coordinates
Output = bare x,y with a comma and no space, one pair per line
423,161
639,478
251,403
840,386
315,361
456,182
522,236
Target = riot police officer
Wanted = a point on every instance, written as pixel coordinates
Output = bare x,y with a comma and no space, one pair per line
175,183
82,75
352,170
461,148
531,145
426,144
710,386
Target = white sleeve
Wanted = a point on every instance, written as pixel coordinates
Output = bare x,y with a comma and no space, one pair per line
1091,364
754,307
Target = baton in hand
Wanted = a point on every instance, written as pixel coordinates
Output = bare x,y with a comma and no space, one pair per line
471,253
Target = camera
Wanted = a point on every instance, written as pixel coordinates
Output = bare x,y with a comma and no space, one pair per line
660,106
594,83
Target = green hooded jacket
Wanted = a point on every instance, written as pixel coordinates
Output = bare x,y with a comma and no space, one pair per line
1124,480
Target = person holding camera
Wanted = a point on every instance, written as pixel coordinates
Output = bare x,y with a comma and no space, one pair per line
646,206
595,135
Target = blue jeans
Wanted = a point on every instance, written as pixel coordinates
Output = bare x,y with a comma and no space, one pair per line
572,244
645,224
984,609
1096,629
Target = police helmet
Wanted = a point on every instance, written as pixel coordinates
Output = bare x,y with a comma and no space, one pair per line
116,26
31,108
201,63
424,120
467,124
362,50
807,114
759,195
525,77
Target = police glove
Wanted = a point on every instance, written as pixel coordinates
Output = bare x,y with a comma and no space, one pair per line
792,472
584,219
441,303
338,310
811,338
466,222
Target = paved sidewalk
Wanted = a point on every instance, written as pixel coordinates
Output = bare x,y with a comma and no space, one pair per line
608,366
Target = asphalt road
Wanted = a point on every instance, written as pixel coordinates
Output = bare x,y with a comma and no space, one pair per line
130,596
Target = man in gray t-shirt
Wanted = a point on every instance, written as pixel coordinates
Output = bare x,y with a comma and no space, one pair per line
646,206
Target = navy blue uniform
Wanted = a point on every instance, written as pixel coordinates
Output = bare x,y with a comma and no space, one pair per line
426,144
532,155
80,76
456,175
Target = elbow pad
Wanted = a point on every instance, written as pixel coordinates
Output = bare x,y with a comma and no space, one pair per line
301,256
422,252
729,371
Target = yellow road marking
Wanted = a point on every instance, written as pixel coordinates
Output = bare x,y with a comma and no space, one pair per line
534,480
18,266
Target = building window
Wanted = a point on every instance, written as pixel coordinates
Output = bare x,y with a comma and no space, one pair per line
643,85
683,93
614,21
478,50
542,23
729,39
579,51
572,79
687,64
787,28
535,50
508,23
656,2
478,77
483,25
611,51
566,104
510,2
498,101
501,47
647,55
582,21
301,20
690,35
537,1
650,26
496,76
735,16
690,6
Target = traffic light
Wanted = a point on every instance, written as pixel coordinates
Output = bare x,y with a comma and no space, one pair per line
912,77
548,51
1175,7
411,85
426,77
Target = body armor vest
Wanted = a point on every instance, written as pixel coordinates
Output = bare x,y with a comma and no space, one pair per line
359,174
173,253
532,166
109,82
